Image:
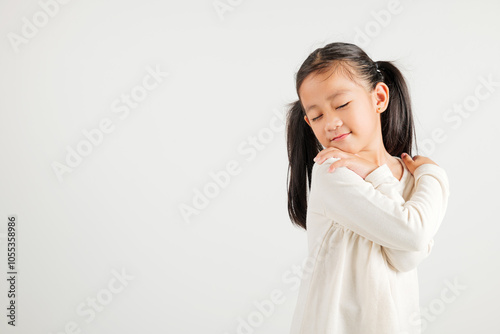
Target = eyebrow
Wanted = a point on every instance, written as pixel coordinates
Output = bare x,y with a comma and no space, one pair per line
331,97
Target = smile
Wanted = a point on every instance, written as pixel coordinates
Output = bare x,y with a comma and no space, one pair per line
341,136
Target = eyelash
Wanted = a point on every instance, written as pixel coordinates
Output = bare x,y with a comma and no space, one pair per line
342,106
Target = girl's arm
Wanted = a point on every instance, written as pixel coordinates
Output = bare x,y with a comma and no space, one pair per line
348,199
384,181
406,260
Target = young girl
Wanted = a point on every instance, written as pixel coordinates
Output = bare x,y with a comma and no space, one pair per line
370,215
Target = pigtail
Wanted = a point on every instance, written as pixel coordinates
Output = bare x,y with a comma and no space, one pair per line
302,147
396,121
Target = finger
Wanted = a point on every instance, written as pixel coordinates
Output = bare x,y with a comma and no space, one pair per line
330,152
322,158
336,164
327,153
406,157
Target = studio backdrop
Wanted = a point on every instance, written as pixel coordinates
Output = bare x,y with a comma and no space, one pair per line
143,174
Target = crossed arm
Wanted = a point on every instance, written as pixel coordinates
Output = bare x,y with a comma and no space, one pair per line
372,208
383,180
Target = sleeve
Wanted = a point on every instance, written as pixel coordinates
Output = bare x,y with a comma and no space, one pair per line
406,260
348,199
384,181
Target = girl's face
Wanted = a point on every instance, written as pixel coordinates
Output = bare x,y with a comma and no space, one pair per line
335,105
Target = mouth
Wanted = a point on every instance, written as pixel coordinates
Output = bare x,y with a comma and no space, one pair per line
342,136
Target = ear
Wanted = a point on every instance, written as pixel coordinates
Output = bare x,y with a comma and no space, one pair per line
381,94
307,120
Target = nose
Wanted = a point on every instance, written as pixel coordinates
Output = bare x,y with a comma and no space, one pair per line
333,122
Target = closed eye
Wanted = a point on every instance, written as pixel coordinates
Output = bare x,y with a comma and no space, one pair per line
342,106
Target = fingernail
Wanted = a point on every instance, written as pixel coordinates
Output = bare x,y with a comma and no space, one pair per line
404,155
315,158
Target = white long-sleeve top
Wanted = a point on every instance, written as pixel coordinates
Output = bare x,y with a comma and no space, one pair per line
365,240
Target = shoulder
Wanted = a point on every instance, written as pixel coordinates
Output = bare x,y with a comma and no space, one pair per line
435,171
323,166
430,169
340,174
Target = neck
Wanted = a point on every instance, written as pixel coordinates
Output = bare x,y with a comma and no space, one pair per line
376,153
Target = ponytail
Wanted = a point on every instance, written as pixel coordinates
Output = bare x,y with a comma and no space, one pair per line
397,120
302,146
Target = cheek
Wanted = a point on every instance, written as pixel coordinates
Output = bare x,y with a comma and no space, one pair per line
362,123
320,135
318,130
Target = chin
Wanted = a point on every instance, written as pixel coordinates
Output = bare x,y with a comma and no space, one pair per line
345,148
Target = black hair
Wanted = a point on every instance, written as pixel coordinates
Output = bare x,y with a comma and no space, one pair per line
302,145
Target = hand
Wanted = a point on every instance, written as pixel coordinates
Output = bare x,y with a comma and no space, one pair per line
418,160
360,166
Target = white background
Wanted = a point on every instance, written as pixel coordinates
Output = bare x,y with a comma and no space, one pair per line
228,77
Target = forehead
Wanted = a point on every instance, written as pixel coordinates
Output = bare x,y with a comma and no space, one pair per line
328,82
318,87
